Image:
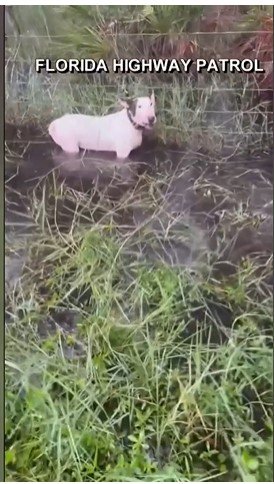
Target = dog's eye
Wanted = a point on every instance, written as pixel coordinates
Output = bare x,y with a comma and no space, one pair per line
139,107
151,104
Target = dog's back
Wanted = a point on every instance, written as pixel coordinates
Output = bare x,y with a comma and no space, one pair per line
74,131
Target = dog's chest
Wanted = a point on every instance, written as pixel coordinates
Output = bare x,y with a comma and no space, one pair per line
135,138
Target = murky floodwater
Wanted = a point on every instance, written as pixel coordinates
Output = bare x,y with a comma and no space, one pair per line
194,191
192,205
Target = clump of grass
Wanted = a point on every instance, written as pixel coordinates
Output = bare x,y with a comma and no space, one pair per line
137,386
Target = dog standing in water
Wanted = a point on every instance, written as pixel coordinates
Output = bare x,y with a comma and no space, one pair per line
119,132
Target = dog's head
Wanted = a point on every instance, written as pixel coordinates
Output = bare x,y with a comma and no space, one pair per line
142,111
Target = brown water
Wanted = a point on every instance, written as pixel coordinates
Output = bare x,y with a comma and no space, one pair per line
193,192
204,205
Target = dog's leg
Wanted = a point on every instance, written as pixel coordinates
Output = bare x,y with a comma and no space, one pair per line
68,145
70,148
65,141
122,154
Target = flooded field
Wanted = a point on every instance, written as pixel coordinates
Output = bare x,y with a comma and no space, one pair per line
139,295
204,217
192,191
196,210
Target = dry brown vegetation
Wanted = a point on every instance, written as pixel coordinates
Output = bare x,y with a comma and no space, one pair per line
253,39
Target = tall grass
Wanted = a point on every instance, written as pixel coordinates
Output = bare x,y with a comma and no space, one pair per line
121,367
223,109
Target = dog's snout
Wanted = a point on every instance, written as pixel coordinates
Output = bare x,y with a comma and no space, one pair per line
151,120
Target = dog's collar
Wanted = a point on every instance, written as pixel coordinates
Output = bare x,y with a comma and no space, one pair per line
135,125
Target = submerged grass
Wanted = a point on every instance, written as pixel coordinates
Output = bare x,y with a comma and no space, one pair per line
120,367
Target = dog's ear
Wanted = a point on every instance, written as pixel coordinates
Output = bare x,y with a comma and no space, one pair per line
124,104
152,97
132,106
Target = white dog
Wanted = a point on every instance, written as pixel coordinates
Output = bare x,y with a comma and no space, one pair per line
119,132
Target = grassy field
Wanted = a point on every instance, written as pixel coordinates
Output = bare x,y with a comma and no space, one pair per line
120,367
